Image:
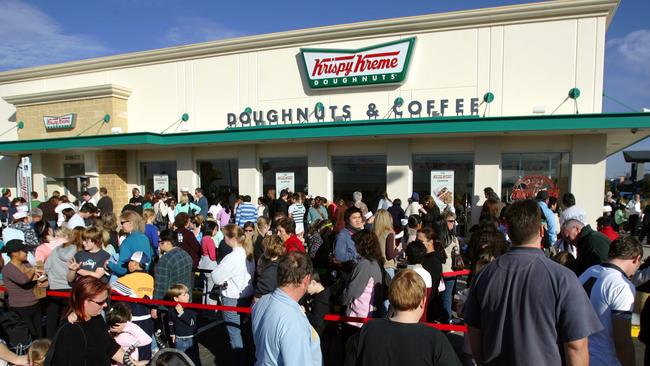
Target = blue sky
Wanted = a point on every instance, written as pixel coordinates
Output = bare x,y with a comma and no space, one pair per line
45,32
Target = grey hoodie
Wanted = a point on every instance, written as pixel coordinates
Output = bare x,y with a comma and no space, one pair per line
56,267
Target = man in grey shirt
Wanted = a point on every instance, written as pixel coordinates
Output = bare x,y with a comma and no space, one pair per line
523,308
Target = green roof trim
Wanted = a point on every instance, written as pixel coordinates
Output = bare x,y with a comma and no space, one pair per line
359,128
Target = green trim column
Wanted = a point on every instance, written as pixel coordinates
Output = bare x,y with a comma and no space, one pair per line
487,171
319,173
588,174
399,175
250,178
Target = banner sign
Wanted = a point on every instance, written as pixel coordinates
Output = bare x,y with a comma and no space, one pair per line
65,122
386,63
528,186
442,188
284,180
160,182
24,179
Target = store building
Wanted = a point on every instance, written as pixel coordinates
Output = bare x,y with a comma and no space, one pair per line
462,101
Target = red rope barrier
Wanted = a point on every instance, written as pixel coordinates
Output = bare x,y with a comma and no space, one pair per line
247,310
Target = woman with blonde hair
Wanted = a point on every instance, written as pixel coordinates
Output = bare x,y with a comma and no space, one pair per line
236,271
135,241
109,223
383,228
262,228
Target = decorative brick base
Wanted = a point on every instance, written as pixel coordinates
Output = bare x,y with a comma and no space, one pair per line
111,166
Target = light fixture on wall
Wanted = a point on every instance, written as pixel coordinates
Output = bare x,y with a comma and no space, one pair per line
487,99
104,120
184,118
18,126
574,93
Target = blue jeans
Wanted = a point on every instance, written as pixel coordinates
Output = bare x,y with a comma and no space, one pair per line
233,326
190,348
446,297
391,273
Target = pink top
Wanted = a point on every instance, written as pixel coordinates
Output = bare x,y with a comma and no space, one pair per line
208,248
223,217
132,335
361,307
44,250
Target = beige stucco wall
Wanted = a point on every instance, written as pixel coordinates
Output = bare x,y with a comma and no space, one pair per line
88,113
526,64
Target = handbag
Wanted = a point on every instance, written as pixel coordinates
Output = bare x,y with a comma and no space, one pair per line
457,261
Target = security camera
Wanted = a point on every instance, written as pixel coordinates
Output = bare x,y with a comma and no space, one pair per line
634,130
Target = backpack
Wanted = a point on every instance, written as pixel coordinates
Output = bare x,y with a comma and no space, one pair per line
14,331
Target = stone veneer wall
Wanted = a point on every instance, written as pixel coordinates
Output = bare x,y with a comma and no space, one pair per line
88,111
111,166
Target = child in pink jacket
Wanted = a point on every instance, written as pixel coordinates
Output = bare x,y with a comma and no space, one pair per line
125,332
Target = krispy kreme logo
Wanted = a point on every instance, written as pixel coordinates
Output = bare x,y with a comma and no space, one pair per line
59,123
380,64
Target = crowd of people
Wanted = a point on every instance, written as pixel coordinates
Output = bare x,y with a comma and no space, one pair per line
543,286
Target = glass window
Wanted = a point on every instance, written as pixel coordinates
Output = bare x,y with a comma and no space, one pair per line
295,165
219,178
523,175
462,166
150,168
366,174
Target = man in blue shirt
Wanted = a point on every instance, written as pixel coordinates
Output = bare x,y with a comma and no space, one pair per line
345,251
246,212
202,202
281,331
549,216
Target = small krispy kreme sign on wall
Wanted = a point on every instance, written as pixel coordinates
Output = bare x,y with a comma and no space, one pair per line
385,63
60,123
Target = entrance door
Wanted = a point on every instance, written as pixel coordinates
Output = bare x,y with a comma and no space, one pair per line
72,187
366,174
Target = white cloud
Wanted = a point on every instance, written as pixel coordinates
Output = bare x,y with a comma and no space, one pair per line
627,69
195,29
30,38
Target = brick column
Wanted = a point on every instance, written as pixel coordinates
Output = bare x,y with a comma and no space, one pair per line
111,166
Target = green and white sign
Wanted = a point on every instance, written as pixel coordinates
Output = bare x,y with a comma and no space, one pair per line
65,122
386,63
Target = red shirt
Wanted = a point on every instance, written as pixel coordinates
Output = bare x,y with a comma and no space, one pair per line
609,232
294,244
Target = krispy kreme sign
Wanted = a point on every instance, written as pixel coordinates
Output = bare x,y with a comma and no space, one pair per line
59,123
386,63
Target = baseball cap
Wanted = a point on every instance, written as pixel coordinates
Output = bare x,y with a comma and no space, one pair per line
14,245
20,215
140,257
185,189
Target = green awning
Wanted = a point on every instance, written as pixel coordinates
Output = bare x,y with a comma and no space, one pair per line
474,125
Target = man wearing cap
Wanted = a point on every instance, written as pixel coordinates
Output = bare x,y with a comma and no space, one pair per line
141,283
21,222
174,266
20,279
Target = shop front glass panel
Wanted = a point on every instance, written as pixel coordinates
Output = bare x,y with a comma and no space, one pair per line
150,168
219,178
523,175
447,167
295,165
366,174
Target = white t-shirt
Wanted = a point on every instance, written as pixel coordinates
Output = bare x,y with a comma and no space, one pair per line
412,209
611,294
75,221
426,276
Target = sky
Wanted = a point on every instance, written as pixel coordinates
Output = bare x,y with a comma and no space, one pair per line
45,32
